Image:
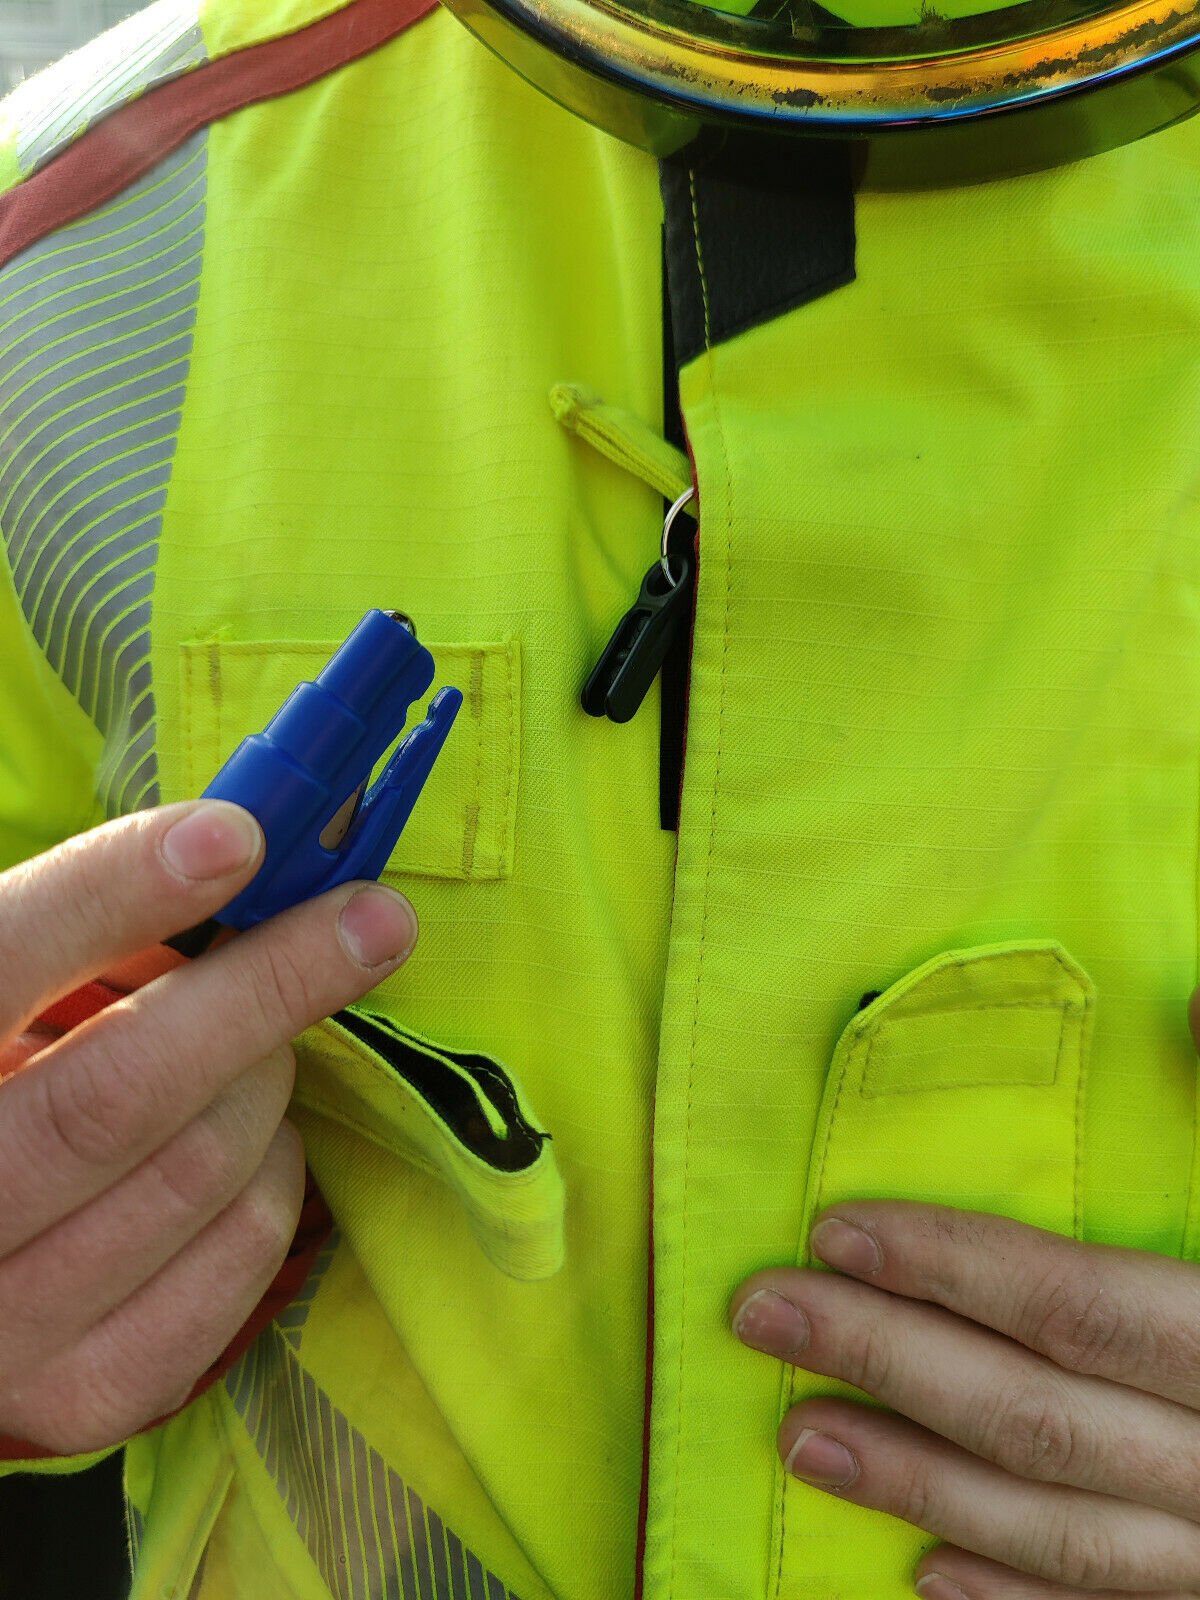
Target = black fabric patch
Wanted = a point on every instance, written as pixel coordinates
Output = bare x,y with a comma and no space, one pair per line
754,230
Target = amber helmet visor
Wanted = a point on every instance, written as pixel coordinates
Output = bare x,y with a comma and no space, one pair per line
932,91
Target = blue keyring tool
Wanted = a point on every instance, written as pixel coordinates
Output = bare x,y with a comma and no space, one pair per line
306,776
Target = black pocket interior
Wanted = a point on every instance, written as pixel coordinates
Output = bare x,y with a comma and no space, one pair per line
428,1073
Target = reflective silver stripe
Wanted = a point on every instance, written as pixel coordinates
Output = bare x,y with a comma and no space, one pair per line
369,1533
62,103
291,1320
96,329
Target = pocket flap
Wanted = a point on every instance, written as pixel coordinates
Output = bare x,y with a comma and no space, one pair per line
960,1085
464,823
939,1027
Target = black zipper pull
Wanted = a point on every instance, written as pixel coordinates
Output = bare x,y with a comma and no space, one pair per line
631,661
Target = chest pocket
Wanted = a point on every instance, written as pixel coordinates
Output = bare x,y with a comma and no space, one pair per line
961,1085
464,822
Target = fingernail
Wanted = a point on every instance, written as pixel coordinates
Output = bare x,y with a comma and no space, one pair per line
377,926
934,1587
841,1244
213,841
770,1323
817,1458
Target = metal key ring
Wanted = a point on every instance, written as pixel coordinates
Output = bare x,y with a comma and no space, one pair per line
665,559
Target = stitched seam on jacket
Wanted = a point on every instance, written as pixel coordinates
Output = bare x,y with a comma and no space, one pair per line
1068,1008
473,804
508,828
1080,1075
712,836
700,260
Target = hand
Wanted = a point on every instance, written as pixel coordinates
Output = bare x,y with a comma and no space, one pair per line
1047,1391
149,1185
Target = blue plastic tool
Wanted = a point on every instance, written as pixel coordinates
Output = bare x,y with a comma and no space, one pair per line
305,777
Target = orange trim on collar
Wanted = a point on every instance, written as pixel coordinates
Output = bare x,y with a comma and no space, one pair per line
129,143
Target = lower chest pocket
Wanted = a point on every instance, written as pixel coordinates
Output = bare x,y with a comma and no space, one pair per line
464,823
459,1116
960,1085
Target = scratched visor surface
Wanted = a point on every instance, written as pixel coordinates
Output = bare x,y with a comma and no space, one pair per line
943,92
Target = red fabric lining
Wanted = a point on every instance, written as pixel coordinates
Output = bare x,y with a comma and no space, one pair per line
74,1009
129,143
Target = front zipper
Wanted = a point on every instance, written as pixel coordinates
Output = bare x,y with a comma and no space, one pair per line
675,685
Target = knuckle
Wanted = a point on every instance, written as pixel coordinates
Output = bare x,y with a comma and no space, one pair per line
273,1081
279,983
117,1382
85,886
267,1214
869,1361
1077,1551
1033,1434
917,1498
1081,1326
79,1409
53,901
87,1109
281,1065
204,1167
292,1161
219,1152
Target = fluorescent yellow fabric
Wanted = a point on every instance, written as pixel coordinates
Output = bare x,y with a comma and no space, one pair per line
623,438
516,1217
941,749
47,786
945,655
367,423
230,25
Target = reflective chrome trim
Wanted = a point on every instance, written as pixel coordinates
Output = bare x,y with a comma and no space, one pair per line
96,329
369,1533
60,104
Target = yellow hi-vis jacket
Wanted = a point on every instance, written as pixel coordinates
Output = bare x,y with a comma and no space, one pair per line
309,307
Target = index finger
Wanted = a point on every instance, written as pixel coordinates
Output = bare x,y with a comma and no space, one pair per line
100,1100
103,896
1116,1313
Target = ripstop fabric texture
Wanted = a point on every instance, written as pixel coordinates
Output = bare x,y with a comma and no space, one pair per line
941,748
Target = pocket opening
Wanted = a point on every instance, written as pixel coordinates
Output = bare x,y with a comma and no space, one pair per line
477,1102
